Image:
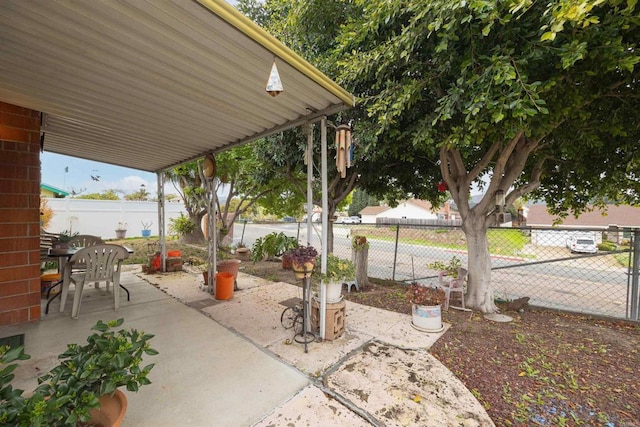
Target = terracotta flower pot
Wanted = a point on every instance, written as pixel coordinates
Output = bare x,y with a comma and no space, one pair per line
111,412
230,266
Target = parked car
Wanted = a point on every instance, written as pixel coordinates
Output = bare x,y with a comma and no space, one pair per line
348,220
289,219
582,244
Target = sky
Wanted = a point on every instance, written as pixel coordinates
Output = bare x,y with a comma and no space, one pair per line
73,174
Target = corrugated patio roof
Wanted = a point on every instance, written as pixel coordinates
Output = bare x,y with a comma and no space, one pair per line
151,84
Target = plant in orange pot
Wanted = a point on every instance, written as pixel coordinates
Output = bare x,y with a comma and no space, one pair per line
303,260
82,387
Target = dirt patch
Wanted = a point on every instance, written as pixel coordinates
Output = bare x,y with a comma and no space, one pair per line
544,368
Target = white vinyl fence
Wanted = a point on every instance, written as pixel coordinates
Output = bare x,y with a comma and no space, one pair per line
101,217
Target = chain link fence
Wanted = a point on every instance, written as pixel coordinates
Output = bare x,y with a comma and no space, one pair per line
585,270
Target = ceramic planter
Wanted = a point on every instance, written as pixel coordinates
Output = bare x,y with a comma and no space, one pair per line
334,292
427,318
302,271
121,234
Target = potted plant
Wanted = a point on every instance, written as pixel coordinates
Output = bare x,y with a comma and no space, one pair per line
146,228
243,252
302,260
121,230
272,245
338,271
61,241
78,391
426,310
451,268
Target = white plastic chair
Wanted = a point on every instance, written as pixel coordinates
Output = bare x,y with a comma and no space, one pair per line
453,285
102,264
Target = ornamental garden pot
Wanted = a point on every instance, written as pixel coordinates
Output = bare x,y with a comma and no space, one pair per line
334,292
427,318
302,270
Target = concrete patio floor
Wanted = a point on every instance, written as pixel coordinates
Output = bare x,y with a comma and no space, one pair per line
231,363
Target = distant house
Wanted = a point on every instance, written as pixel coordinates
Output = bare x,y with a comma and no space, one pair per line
370,213
51,191
615,217
412,209
620,216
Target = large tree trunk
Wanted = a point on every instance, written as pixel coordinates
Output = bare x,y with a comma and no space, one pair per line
480,291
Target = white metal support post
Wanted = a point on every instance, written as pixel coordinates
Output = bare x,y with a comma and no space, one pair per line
307,309
325,223
161,219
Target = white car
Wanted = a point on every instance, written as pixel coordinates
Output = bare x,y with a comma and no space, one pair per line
582,244
348,220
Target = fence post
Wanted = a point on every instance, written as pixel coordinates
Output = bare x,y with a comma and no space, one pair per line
395,252
635,302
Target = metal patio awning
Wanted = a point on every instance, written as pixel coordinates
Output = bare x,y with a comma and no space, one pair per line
151,84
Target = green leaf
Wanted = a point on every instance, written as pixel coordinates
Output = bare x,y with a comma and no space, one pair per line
548,36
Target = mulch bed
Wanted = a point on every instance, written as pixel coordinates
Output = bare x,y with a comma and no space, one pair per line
545,368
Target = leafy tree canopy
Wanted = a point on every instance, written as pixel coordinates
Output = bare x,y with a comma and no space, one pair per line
543,95
104,195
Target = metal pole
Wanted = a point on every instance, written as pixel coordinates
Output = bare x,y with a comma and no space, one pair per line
309,182
635,303
395,252
325,223
243,227
161,219
307,303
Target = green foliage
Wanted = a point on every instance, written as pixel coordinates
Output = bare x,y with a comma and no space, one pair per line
272,245
464,90
67,393
181,225
104,195
360,201
141,194
359,242
451,268
66,235
607,246
337,269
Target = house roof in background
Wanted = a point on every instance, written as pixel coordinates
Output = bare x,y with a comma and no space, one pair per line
54,190
373,210
152,84
622,216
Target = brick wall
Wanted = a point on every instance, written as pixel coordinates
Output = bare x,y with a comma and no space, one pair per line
19,215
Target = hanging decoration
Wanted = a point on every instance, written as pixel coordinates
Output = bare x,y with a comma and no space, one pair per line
344,149
442,186
209,166
274,84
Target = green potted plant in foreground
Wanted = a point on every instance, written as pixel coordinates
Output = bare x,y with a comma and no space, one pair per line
77,390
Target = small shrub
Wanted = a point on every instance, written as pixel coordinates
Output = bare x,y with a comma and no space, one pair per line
181,225
607,246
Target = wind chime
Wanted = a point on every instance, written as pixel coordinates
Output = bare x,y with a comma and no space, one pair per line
344,149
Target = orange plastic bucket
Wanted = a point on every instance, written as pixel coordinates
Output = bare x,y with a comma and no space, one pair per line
224,285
